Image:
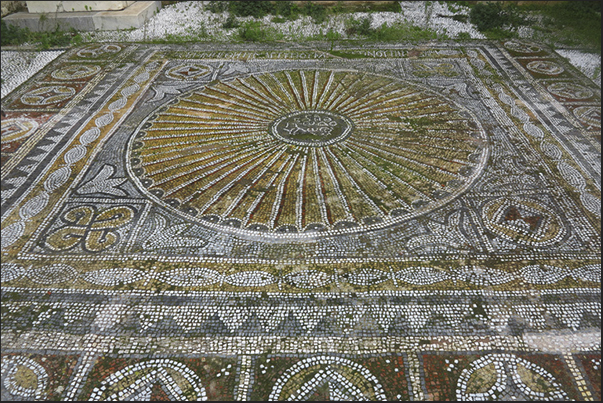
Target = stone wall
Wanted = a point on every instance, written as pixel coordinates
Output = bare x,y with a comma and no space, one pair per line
9,7
73,6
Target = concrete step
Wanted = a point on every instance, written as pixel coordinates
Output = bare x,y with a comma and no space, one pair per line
133,16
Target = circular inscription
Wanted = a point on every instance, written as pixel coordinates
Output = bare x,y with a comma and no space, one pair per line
301,153
312,128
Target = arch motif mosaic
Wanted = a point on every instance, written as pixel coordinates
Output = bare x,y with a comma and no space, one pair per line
135,382
331,378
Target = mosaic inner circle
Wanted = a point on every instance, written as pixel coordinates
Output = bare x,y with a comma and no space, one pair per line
299,152
313,128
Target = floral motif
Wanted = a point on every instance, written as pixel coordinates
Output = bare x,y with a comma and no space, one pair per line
570,90
506,376
187,72
93,230
75,72
545,67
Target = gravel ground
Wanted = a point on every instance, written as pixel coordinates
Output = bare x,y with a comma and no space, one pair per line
189,17
438,17
19,66
588,63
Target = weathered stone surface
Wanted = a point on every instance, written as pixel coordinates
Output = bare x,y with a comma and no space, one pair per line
256,222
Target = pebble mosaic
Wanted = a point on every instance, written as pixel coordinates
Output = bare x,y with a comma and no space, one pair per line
261,223
20,66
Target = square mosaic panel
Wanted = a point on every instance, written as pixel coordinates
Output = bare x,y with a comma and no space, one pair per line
236,223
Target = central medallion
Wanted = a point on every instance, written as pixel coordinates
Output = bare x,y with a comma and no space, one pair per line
314,128
301,153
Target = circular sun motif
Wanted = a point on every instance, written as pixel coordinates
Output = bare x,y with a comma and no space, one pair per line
302,151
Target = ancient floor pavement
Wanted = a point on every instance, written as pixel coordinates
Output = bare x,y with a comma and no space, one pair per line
268,223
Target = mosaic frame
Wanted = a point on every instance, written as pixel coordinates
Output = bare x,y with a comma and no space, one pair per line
508,269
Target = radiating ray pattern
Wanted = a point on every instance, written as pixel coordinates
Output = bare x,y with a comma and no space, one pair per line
219,153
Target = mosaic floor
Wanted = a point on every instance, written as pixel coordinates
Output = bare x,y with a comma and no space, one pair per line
404,223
